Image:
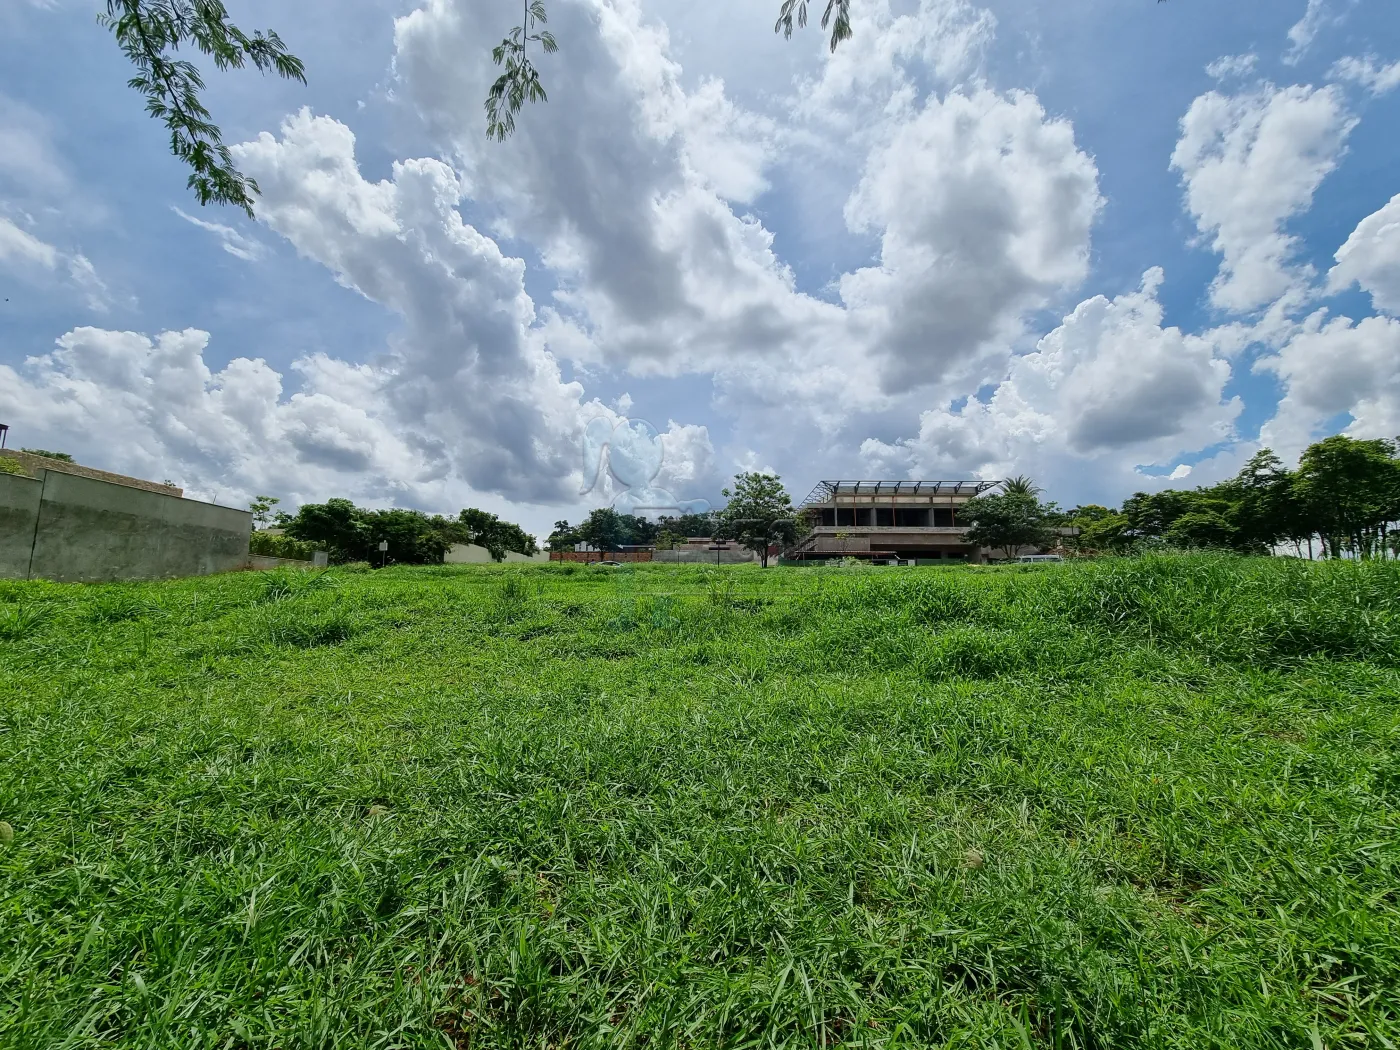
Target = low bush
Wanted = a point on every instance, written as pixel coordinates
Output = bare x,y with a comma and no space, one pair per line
273,545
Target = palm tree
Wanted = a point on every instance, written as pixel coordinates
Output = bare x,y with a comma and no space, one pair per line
1020,485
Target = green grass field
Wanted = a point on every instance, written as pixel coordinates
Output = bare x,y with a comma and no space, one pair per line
1147,803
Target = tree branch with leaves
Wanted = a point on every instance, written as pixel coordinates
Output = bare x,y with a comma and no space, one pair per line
840,10
520,82
149,32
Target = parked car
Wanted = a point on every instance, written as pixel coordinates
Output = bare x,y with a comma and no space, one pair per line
1040,557
608,564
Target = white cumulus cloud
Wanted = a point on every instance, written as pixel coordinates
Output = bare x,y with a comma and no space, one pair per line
1335,369
472,379
1369,72
1250,162
984,207
1111,385
1371,258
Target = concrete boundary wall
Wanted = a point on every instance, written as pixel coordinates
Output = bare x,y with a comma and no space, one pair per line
19,514
733,556
84,529
472,554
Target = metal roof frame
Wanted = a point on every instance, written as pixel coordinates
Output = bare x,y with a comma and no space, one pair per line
825,491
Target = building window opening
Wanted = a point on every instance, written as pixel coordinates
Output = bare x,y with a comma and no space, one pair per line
884,516
862,516
943,517
845,516
911,517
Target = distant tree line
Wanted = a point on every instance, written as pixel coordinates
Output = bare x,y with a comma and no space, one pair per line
1343,500
606,530
348,533
758,513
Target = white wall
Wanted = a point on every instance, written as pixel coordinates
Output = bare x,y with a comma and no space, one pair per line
471,554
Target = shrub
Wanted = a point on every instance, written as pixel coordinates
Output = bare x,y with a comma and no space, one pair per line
273,545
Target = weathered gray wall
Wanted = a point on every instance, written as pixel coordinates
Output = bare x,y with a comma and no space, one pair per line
95,530
19,511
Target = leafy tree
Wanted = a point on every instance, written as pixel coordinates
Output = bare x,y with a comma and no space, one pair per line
1150,515
563,538
689,524
1109,533
1006,521
1100,528
497,536
1351,492
350,533
1201,528
1345,492
261,506
607,530
639,531
414,538
336,527
149,32
1266,507
1087,513
1020,485
759,513
603,530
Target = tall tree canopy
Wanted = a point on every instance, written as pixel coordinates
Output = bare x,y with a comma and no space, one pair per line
350,533
497,536
1344,498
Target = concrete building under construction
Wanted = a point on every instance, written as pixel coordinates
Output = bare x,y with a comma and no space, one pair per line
884,521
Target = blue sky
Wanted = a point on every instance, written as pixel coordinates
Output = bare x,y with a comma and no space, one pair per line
1099,242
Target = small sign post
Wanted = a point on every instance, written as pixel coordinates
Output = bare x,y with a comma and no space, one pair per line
383,553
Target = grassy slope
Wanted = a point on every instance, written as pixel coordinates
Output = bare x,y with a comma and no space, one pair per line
1128,804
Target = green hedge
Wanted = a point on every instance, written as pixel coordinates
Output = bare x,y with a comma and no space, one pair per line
272,545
